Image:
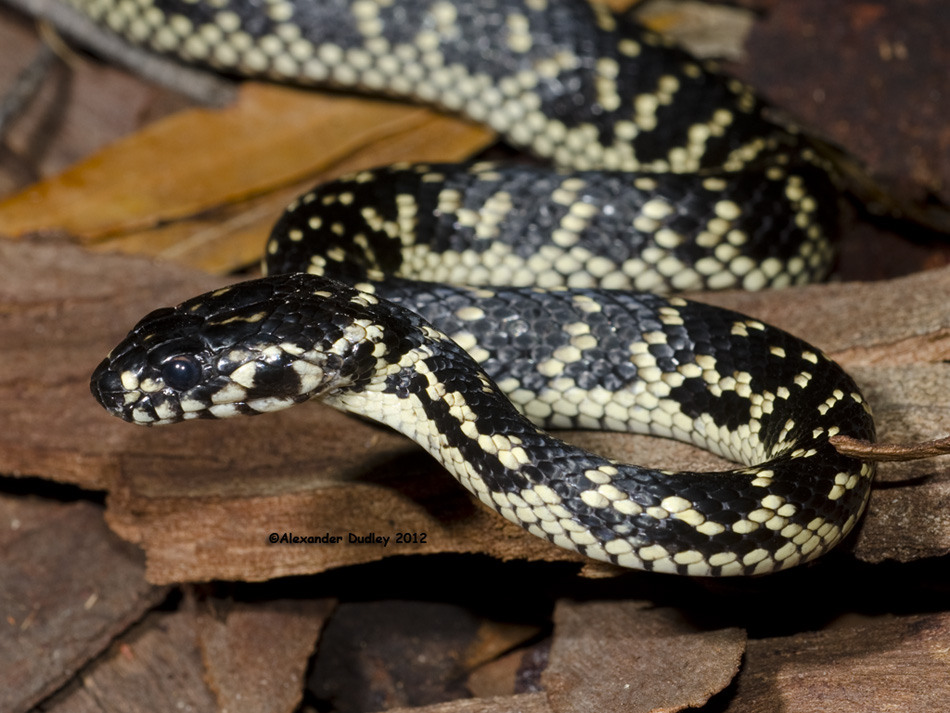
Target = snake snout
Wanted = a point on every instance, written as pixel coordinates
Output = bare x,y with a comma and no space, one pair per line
106,386
116,390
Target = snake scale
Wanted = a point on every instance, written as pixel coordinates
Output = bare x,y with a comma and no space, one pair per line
470,306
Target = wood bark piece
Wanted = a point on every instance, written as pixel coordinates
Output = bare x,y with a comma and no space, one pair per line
255,654
870,76
893,322
885,665
154,668
67,587
523,703
203,498
319,474
628,656
911,501
59,314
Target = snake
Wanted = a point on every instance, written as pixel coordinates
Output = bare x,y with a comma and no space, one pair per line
474,307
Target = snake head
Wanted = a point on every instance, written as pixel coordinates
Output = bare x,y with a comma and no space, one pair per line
254,347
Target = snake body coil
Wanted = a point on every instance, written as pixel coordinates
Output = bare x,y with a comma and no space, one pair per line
691,371
701,190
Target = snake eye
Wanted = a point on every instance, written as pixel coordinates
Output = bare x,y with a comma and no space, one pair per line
181,372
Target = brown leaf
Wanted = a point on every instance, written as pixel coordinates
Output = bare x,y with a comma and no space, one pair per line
232,236
627,656
61,605
494,638
705,30
501,676
199,160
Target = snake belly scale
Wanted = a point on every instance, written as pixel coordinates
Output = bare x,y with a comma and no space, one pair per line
471,306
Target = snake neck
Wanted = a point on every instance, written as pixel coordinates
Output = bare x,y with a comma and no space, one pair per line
440,398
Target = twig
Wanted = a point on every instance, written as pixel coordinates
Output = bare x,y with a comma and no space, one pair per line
27,85
880,452
201,86
52,39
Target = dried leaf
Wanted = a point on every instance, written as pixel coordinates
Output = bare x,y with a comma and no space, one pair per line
271,138
705,30
495,638
499,677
